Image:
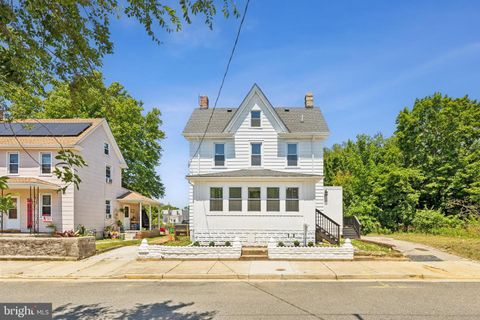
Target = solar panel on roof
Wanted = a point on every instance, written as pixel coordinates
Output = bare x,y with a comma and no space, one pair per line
35,129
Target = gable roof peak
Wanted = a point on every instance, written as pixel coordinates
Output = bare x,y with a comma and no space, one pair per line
255,90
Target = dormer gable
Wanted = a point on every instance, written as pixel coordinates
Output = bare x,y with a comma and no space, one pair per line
255,101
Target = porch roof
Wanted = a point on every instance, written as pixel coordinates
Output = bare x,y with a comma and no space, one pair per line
25,182
135,197
256,173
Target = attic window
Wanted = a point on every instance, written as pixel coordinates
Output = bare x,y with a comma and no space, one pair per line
255,119
229,110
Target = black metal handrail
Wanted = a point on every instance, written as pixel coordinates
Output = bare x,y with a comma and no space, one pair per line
353,222
328,225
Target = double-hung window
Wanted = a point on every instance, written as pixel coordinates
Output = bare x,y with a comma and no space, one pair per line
46,162
256,157
46,205
273,199
254,200
216,199
235,199
108,209
292,199
219,154
106,148
255,119
108,174
292,155
13,162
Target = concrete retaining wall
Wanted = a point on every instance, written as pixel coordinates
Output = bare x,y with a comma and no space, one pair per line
146,251
46,248
344,252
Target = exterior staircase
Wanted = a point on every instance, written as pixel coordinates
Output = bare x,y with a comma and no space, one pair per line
254,253
351,227
326,228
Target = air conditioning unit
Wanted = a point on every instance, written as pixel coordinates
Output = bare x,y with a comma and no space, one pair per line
109,180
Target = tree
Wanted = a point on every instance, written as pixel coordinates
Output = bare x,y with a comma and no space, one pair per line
44,41
138,136
440,136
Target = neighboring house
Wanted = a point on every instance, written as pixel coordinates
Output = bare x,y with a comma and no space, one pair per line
256,172
27,156
172,216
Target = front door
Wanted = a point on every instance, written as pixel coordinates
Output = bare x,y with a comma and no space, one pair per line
126,217
12,220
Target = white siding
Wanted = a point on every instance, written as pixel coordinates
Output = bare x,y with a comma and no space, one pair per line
94,190
254,227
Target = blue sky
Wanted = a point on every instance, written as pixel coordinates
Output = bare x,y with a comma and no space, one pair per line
363,60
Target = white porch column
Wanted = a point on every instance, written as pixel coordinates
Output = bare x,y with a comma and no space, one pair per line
150,217
158,218
140,216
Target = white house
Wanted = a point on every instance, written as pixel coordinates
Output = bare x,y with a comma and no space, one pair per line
172,216
28,151
256,172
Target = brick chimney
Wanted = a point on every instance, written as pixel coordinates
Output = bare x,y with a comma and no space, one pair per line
203,102
309,100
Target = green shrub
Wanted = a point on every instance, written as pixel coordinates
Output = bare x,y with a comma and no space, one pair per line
196,244
211,244
296,243
281,244
432,221
310,244
228,244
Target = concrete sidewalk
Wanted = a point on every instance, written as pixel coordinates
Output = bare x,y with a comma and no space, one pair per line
122,264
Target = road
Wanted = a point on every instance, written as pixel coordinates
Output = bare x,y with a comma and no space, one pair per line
249,300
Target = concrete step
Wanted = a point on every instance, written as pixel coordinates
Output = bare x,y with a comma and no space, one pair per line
253,257
254,251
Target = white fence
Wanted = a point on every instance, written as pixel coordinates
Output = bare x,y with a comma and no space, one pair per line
146,251
344,252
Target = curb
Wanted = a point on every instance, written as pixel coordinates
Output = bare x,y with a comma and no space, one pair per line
267,277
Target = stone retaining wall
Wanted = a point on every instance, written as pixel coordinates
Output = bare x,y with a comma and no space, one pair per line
344,252
146,251
46,248
147,234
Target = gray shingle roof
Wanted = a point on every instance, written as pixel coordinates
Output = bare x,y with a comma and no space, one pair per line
245,173
313,120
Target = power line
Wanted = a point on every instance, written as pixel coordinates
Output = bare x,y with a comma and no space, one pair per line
222,83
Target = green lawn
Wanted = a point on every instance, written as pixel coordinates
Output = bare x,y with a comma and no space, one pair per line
180,241
363,248
464,246
108,244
